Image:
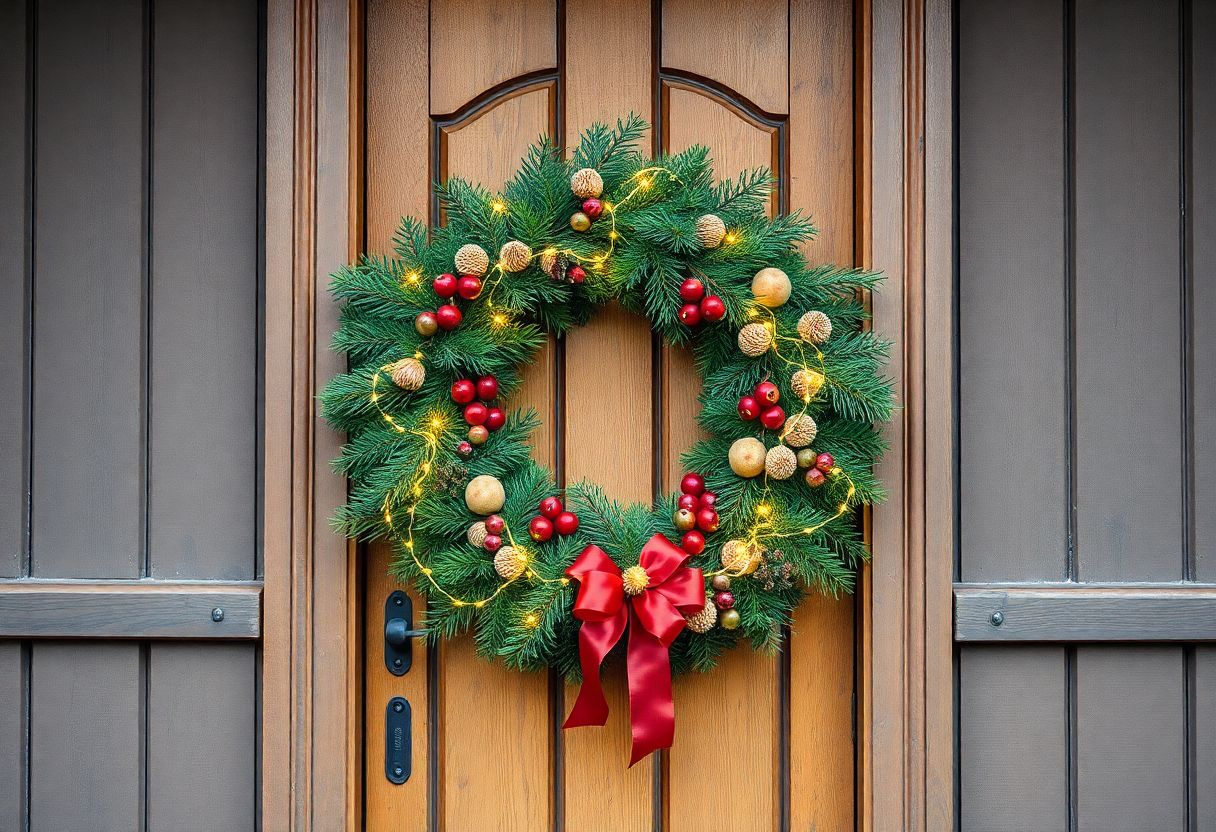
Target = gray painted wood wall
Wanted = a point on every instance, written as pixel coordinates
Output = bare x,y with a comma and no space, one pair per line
129,356
1087,390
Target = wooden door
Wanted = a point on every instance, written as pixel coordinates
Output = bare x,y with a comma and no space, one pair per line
462,88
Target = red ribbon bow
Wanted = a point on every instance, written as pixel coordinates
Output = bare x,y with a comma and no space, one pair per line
657,616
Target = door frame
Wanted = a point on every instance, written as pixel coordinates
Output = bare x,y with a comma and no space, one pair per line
311,679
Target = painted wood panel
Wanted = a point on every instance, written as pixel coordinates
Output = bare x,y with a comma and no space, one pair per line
14,690
1203,712
1202,270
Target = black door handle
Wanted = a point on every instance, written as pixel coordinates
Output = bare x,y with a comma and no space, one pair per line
398,633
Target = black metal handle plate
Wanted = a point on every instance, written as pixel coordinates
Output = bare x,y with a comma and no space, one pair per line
399,633
397,740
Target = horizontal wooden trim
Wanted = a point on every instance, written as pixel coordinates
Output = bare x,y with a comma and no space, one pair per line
130,609
1084,612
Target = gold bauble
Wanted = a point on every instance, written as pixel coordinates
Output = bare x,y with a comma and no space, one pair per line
703,621
730,619
510,562
710,230
771,287
484,495
799,431
472,259
807,457
755,339
815,327
807,383
408,373
684,519
580,221
477,534
780,463
747,456
740,558
587,183
478,434
425,324
635,580
514,256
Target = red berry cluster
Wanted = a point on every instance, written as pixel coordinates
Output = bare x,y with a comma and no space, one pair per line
447,316
553,517
816,475
696,513
699,306
763,403
494,528
481,418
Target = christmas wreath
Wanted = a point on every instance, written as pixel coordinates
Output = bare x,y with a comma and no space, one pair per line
543,576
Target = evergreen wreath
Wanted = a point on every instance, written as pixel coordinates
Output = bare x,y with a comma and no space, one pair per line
436,336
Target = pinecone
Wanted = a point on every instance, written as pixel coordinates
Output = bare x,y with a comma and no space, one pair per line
408,374
755,339
703,621
477,534
510,563
807,383
710,230
514,256
740,558
556,265
815,327
587,183
472,259
780,462
800,430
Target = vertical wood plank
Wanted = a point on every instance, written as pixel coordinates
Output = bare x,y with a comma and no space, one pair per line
14,262
1131,738
1012,384
1013,707
1129,443
1202,266
14,689
89,319
203,291
86,737
1204,713
202,713
613,352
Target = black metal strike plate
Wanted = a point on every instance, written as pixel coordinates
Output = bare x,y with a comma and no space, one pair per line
397,751
399,633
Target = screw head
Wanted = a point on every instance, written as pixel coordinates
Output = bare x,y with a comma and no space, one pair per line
998,618
217,614
396,662
397,600
398,707
398,771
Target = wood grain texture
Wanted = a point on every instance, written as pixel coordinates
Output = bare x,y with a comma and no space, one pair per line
1204,713
1127,291
202,710
129,609
1013,708
1012,385
14,721
203,291
1131,728
475,46
87,737
1083,612
742,45
14,265
89,251
1202,240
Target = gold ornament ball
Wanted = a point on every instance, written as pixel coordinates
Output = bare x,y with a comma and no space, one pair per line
703,621
739,558
514,256
587,183
807,457
815,327
730,619
755,339
580,221
684,519
484,495
746,456
800,430
780,463
477,534
478,434
425,324
771,287
711,231
510,562
472,259
721,582
635,580
408,374
806,383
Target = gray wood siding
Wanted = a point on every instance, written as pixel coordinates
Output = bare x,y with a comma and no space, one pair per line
1202,265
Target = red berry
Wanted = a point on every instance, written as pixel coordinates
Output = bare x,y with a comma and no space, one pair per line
464,449
824,462
495,418
593,208
712,308
576,274
692,290
688,501
492,543
463,391
690,314
693,484
767,392
551,507
495,524
487,388
540,529
444,285
475,413
693,542
468,287
724,600
773,418
814,477
566,523
448,317
707,520
749,408
709,499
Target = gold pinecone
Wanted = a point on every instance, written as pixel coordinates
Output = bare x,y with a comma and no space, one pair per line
514,256
755,339
815,327
710,230
740,558
800,430
510,562
408,373
472,259
587,183
703,621
807,383
477,534
635,580
780,462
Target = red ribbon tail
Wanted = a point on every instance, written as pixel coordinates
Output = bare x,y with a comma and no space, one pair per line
595,640
652,711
